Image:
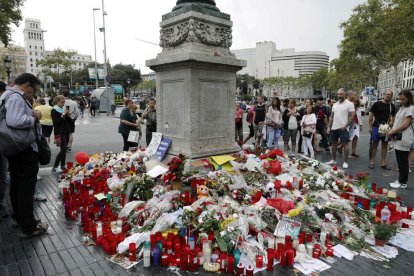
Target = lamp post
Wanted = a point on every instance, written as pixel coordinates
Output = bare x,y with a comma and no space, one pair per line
129,87
7,65
105,65
94,42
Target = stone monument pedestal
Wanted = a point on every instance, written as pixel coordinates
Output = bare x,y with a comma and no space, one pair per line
196,82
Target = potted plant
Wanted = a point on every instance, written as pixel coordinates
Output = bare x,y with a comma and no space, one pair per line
383,233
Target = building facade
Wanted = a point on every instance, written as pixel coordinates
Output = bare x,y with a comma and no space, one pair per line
387,78
408,74
266,61
34,44
17,55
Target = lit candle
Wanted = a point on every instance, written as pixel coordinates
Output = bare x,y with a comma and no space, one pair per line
290,257
230,265
132,252
270,256
249,271
259,261
240,270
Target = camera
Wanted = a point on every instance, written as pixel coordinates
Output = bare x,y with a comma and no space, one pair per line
397,136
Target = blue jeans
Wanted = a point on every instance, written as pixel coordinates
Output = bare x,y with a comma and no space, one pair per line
273,136
3,177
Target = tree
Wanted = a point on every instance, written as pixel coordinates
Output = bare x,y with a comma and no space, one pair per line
379,34
10,13
124,73
57,62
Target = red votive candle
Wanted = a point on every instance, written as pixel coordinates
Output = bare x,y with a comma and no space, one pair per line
302,237
309,238
374,187
240,270
132,251
282,259
290,257
270,257
223,259
164,259
287,239
230,265
249,271
329,252
259,261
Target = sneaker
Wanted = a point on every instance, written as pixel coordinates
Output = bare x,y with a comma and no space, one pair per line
396,184
332,162
345,165
57,170
39,197
41,229
403,186
39,178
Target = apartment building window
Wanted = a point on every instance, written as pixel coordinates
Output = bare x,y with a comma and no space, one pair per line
30,46
31,59
30,53
41,48
35,47
31,65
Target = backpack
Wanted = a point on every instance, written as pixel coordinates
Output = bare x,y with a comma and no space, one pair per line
13,140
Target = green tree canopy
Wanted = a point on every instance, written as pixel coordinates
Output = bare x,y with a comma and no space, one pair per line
10,13
122,73
57,62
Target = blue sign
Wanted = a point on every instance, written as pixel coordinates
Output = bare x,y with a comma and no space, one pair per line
369,91
163,148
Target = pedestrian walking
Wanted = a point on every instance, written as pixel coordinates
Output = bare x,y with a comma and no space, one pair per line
322,115
82,106
128,122
290,125
403,135
238,121
356,128
259,116
308,124
73,114
92,106
151,121
342,117
61,123
249,120
381,119
46,121
3,171
24,166
273,124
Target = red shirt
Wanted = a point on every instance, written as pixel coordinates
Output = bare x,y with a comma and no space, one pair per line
239,114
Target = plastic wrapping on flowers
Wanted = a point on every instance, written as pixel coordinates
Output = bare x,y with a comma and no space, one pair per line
269,204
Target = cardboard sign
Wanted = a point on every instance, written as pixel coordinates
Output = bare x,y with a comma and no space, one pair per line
163,148
155,143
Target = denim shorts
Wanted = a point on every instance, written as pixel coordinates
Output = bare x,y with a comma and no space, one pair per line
342,135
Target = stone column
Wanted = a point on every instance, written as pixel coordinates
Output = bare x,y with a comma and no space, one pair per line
196,80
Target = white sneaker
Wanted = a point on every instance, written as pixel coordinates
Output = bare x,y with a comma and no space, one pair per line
345,165
57,170
396,184
39,178
332,162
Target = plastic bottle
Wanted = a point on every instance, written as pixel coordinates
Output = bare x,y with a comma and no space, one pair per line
156,256
147,254
191,243
385,215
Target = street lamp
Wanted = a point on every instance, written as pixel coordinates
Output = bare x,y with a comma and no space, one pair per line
7,65
94,42
105,65
129,87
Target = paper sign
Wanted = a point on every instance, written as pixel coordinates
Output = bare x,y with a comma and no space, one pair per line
287,226
222,161
312,266
100,196
156,171
163,148
155,143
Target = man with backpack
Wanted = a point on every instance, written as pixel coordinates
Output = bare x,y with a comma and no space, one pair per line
18,143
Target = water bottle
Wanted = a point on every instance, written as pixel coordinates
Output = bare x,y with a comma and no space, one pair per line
385,215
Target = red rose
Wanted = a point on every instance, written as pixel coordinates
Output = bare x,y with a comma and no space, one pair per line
335,168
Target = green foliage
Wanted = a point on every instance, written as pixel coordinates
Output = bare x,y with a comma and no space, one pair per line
56,63
379,34
10,13
244,81
121,73
384,231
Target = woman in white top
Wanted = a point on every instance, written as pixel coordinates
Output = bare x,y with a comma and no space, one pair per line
273,123
356,128
308,130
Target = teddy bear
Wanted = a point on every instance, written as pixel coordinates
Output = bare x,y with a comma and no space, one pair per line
202,191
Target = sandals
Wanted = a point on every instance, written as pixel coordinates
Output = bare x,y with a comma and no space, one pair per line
355,155
371,166
41,228
386,167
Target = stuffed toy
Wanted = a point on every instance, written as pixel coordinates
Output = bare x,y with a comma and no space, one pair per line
202,191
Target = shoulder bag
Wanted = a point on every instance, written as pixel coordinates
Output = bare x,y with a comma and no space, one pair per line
384,128
43,148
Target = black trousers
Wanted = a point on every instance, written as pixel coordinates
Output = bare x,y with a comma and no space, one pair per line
403,166
23,167
300,140
61,157
127,144
322,132
148,136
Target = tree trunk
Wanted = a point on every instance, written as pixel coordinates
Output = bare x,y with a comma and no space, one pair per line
394,87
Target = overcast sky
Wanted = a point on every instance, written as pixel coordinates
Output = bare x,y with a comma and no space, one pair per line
300,24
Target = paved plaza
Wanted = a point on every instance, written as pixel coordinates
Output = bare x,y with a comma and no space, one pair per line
62,252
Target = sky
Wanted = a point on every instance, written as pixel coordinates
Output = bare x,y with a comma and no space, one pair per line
306,25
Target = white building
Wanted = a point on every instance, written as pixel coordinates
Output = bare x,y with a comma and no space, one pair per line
266,61
408,75
386,80
17,55
34,45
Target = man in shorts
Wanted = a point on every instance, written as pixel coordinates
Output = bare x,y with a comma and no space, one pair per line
382,112
342,117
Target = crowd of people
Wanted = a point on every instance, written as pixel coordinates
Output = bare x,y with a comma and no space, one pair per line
336,126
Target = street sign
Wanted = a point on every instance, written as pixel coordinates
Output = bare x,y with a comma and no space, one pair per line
369,90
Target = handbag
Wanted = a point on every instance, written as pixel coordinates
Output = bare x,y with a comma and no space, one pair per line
307,134
269,122
384,128
43,149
